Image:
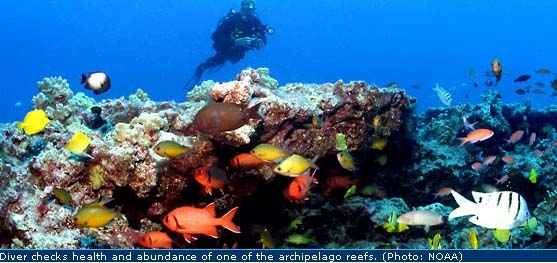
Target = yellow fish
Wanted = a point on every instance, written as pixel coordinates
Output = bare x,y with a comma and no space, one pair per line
392,226
266,239
79,144
94,215
435,243
34,122
474,239
502,235
170,149
300,239
378,144
346,161
63,196
268,153
350,192
533,176
295,165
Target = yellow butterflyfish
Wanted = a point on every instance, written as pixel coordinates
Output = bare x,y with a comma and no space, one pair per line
79,144
34,122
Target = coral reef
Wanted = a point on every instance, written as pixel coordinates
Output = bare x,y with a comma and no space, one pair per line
402,160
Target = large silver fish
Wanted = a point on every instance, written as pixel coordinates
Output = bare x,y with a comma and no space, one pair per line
499,210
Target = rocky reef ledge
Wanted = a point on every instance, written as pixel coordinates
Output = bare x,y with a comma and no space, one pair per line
144,185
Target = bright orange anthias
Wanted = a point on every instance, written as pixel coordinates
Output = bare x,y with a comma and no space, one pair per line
190,221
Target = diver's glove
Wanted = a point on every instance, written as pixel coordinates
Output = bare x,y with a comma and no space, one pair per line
245,41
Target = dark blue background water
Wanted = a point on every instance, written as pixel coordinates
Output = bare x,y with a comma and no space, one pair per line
156,45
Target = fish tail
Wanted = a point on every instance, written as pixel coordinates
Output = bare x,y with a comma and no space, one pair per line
83,78
226,221
313,165
463,141
253,111
465,206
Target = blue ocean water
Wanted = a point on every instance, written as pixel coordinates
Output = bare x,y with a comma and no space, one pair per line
156,45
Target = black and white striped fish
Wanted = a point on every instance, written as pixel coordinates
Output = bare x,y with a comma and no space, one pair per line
499,210
443,95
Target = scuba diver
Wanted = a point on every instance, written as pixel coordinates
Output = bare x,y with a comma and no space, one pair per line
236,33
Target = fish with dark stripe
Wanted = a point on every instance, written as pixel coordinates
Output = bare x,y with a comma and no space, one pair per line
498,210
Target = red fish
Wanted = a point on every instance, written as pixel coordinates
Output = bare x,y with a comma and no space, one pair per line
445,191
508,159
476,136
211,177
299,187
245,161
188,221
515,137
338,182
155,239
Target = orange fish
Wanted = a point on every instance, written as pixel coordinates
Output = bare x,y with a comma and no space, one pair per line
445,191
476,136
489,159
211,177
532,139
188,221
477,166
245,161
155,239
496,69
501,180
515,137
508,159
299,187
338,182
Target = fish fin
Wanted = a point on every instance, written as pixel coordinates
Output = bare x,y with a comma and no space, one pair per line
313,162
463,141
20,125
226,220
211,207
188,237
209,191
212,232
253,112
83,78
466,207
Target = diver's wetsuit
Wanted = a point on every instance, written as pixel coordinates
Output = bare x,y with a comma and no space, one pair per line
233,26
